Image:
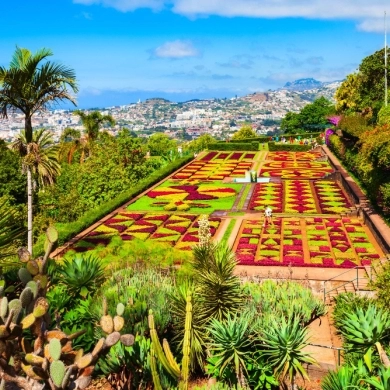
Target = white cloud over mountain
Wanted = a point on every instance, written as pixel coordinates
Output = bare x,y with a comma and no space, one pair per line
369,15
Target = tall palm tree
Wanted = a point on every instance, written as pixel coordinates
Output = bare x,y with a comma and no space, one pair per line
72,141
32,84
92,123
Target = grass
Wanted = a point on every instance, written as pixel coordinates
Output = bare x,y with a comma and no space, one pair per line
228,231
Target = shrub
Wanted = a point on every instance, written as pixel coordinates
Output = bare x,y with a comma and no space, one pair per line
244,146
353,125
337,146
273,147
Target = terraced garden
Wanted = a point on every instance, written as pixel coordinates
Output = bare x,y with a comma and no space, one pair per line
311,226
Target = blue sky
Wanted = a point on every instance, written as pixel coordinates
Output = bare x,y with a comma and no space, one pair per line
123,50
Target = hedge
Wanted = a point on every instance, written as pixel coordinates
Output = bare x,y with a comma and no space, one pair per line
66,231
252,146
288,147
262,140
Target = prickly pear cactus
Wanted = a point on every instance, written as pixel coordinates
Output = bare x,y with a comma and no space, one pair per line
49,361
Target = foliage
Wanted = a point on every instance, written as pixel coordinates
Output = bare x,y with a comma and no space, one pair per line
284,342
92,122
347,95
353,125
291,123
273,147
381,285
230,348
345,377
81,275
375,146
384,116
244,132
252,146
201,143
12,181
337,146
160,144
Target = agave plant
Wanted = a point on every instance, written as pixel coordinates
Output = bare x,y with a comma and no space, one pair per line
82,275
230,346
381,381
283,347
344,378
362,330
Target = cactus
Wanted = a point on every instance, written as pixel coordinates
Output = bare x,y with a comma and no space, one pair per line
120,309
41,365
164,353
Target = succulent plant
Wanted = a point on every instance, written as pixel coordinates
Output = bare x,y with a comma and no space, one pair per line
42,365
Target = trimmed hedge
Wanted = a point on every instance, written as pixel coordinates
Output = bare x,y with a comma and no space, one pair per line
66,231
265,138
262,140
252,146
288,147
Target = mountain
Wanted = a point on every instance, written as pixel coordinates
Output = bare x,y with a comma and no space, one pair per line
303,84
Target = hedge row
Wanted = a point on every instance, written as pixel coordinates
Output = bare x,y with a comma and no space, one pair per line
252,146
288,147
66,231
265,139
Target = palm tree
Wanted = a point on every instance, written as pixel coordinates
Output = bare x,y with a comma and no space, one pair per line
32,84
92,123
72,141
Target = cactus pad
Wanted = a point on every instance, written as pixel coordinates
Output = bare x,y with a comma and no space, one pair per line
52,234
120,309
64,384
112,339
34,287
85,361
55,334
24,255
26,346
42,280
98,347
107,324
55,349
34,359
83,382
3,308
32,267
119,323
33,372
4,331
127,340
24,275
41,307
28,321
57,372
16,306
26,297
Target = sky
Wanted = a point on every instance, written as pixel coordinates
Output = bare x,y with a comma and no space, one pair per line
126,50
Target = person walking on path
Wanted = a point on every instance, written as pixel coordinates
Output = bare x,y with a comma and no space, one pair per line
267,216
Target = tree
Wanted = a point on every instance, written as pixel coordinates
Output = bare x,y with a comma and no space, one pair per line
92,123
314,116
12,182
160,144
31,84
347,95
246,131
71,142
291,123
201,143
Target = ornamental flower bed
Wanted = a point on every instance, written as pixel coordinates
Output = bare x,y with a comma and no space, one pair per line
299,197
293,156
162,227
309,242
267,194
294,173
330,197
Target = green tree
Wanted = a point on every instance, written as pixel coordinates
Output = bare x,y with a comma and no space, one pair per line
201,143
72,142
160,144
291,123
314,116
31,84
246,131
12,182
347,95
92,122
384,116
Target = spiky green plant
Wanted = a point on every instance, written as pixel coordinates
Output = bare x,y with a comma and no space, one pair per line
362,329
284,342
343,379
230,346
82,275
381,381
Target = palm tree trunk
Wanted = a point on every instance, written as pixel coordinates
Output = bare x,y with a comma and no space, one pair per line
29,210
28,128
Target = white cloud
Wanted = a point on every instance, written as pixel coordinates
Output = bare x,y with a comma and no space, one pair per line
373,25
367,14
176,49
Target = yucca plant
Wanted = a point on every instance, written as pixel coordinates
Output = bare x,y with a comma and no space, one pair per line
381,381
82,275
364,329
283,343
344,378
230,347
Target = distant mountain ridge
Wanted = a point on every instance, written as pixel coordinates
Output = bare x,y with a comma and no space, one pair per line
306,84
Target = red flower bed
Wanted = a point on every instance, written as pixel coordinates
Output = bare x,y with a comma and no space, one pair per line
209,156
236,156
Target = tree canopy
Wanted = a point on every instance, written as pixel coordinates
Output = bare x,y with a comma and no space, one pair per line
246,131
160,144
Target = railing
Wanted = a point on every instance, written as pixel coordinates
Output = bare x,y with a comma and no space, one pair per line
349,281
338,349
